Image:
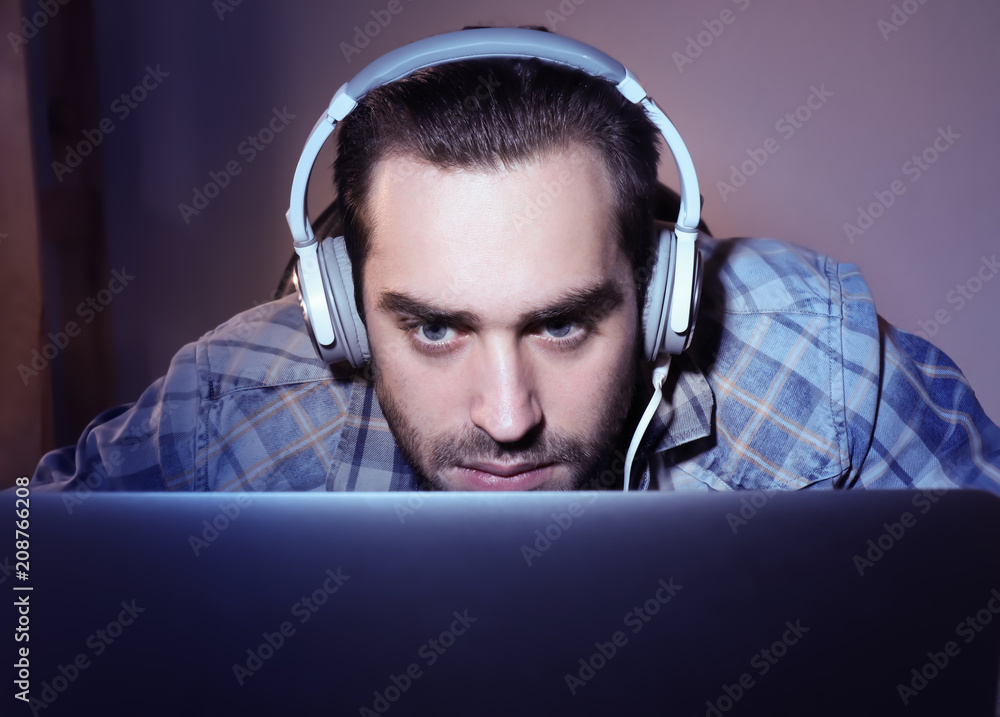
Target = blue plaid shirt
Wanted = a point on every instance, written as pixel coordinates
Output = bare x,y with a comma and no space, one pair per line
793,381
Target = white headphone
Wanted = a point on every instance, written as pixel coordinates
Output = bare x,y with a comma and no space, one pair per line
323,272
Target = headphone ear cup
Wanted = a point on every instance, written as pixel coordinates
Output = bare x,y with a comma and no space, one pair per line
656,309
313,299
336,297
347,310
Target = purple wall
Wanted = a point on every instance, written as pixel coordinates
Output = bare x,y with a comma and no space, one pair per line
879,96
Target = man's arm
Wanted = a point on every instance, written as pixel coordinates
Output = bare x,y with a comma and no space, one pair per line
912,418
148,445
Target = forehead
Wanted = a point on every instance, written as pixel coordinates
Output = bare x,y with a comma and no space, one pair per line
481,239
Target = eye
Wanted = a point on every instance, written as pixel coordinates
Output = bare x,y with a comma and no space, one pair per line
433,333
559,328
565,332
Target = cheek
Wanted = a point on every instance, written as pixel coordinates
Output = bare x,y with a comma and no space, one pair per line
428,395
576,393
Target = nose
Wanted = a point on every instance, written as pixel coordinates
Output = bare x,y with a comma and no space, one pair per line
505,403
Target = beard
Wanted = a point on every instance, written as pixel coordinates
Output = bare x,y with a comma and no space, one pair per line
587,456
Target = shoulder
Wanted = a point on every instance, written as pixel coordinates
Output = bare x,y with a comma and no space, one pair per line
770,276
272,412
265,346
769,340
248,406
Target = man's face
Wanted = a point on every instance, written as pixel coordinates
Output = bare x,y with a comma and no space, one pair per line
501,313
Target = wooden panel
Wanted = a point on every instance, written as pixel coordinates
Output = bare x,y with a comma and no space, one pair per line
24,404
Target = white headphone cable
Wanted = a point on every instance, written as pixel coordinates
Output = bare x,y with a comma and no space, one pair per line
659,374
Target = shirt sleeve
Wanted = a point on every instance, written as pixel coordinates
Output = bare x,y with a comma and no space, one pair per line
912,419
147,445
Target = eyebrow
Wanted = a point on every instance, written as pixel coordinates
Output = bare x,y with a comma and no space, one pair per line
594,302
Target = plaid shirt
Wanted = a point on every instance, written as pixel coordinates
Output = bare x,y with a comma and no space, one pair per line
793,381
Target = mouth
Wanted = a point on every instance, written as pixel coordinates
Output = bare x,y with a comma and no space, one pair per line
504,476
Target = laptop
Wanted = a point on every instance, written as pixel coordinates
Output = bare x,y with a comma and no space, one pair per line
877,603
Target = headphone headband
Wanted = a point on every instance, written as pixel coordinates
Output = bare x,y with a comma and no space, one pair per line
482,43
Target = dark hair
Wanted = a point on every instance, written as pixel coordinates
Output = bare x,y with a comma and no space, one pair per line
437,116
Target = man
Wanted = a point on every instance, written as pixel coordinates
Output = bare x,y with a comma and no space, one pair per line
498,215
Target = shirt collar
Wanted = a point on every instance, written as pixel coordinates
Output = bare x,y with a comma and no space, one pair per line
686,409
367,457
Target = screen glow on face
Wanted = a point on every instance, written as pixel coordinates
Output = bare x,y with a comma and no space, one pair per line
503,347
